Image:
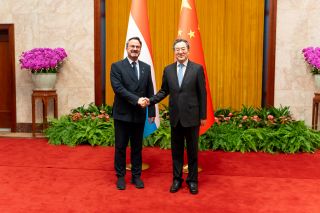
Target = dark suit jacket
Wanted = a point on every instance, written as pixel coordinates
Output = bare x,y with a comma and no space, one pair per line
128,89
188,103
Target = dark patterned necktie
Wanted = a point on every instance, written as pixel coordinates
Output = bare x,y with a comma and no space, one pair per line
134,66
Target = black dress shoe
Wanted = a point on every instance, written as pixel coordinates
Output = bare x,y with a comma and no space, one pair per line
193,187
138,183
176,185
121,183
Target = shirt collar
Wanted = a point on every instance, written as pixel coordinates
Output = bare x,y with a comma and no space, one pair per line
184,63
130,61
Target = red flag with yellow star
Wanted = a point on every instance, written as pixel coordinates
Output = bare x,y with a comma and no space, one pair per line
189,30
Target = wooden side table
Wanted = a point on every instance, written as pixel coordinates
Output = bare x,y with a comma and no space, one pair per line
44,96
315,110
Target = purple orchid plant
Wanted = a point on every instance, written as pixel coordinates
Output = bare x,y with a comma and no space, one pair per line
312,57
43,60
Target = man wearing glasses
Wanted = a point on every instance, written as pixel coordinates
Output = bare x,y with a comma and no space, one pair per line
184,82
130,80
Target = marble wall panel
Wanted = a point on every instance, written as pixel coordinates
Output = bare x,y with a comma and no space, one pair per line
54,23
297,28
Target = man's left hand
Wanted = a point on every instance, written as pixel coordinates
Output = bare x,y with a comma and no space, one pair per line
203,122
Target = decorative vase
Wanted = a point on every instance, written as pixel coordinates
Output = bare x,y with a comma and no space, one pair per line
44,81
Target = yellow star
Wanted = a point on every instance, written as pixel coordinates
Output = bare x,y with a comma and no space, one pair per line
185,4
191,34
179,32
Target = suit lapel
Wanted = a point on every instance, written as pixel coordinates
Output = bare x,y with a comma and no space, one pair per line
129,70
186,73
175,74
185,76
141,71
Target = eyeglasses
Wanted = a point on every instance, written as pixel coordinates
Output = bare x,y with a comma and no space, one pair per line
183,49
135,46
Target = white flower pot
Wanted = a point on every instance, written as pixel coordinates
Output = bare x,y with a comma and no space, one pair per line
44,81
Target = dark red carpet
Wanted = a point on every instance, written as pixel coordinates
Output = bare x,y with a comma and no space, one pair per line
38,177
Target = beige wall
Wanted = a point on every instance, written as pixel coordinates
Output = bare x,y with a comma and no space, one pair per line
297,27
54,23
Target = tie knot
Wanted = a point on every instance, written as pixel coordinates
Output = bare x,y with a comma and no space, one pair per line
180,65
134,63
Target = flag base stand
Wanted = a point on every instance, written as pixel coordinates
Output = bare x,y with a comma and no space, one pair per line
145,166
185,169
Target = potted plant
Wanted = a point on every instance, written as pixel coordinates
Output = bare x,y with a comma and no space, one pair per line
312,57
44,64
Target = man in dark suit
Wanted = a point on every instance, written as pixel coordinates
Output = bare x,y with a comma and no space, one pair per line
184,81
130,80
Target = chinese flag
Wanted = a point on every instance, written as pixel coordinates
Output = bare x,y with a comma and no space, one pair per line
189,30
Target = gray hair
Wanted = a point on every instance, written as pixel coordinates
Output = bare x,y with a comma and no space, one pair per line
133,38
181,40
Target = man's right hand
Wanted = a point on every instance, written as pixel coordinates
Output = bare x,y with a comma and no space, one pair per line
143,102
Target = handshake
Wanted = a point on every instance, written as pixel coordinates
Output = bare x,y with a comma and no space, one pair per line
143,102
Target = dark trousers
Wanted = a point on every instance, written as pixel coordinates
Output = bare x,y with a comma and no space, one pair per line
179,134
125,131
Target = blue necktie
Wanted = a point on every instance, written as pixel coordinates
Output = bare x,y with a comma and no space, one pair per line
180,73
134,65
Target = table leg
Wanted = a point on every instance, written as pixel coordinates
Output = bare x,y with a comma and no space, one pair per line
55,100
313,113
316,115
33,116
45,112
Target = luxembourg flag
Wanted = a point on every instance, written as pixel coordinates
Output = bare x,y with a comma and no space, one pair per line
139,26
